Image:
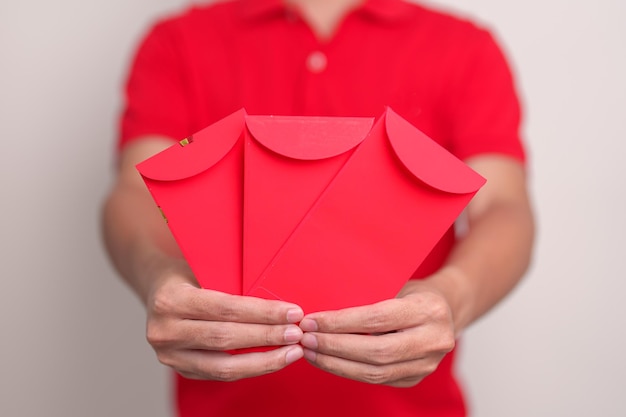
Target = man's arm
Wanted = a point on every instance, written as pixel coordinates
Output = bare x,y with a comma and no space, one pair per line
491,259
135,235
188,327
398,342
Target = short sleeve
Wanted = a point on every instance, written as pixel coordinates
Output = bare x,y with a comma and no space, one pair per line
155,92
485,112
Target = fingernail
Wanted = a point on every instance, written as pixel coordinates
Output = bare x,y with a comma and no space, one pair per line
294,315
293,355
309,341
310,355
308,325
293,334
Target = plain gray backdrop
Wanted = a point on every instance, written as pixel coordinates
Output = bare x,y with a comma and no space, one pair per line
72,335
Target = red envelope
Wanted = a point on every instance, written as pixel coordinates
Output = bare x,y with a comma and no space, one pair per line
324,212
198,186
289,161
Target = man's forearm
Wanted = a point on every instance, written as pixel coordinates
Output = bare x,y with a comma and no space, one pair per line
487,263
137,239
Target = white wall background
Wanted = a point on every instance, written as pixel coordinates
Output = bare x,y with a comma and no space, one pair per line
71,335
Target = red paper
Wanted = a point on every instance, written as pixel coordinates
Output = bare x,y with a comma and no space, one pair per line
289,161
324,212
199,190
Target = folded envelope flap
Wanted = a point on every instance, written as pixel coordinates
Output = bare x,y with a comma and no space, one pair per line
309,138
197,153
429,161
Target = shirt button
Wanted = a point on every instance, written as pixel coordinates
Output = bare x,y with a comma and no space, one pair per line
316,62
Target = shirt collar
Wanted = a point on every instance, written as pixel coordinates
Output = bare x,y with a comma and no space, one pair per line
252,9
389,10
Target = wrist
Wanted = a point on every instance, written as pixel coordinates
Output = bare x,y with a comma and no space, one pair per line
152,268
451,282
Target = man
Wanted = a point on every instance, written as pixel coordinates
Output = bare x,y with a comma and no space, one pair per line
336,58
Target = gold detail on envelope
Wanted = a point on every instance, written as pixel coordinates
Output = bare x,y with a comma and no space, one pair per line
186,141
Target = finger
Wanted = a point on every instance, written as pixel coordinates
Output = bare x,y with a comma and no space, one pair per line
382,317
417,343
398,374
220,336
219,366
201,304
407,382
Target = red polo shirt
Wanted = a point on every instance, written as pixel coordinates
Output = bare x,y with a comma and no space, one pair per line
443,74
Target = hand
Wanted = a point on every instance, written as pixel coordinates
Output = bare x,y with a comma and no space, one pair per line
191,328
395,342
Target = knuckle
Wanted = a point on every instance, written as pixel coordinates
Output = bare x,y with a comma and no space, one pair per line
440,311
157,336
165,358
273,336
448,343
376,375
267,313
405,383
225,373
221,338
162,303
227,311
385,353
430,367
444,343
188,375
